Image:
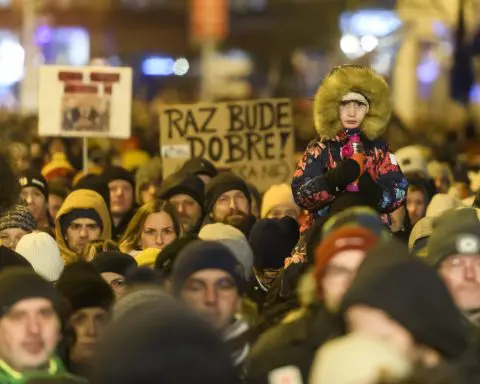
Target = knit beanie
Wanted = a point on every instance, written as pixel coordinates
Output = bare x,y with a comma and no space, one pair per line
18,284
114,261
9,258
164,341
363,360
58,167
18,217
440,203
79,213
137,298
223,182
234,239
97,184
411,293
346,238
200,255
364,217
199,166
42,252
118,173
411,160
83,287
272,241
183,183
456,232
421,232
33,178
276,195
169,254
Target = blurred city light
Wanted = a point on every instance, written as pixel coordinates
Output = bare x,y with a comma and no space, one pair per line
158,66
181,67
475,94
43,35
379,23
350,44
428,71
12,60
369,43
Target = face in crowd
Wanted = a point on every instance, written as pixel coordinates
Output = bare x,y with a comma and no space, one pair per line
189,211
416,204
461,274
88,324
158,231
29,334
339,274
37,204
11,236
121,197
352,113
213,294
232,206
54,204
80,232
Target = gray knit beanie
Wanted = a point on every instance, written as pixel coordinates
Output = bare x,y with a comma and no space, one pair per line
18,217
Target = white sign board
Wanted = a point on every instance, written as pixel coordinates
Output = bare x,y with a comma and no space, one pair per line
85,101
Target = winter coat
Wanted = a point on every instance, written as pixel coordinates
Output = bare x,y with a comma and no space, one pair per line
292,343
55,372
82,198
309,184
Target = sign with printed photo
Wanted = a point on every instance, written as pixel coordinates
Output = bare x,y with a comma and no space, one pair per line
252,138
85,102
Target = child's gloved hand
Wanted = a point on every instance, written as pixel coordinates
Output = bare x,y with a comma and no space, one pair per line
369,189
346,172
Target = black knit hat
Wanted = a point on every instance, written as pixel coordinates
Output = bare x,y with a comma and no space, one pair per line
183,183
161,339
169,254
200,255
272,241
456,232
199,166
224,182
412,294
33,178
19,283
83,287
79,213
97,184
118,173
9,258
114,261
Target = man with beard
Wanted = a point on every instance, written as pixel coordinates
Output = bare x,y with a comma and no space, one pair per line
227,200
186,193
454,250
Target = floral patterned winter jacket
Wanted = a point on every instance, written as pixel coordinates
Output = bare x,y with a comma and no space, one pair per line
321,156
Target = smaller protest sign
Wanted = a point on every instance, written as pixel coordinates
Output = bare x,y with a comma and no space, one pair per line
85,102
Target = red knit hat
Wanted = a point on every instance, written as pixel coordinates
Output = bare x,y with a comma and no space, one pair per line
346,238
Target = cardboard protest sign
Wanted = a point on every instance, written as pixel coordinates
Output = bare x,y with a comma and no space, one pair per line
252,138
85,102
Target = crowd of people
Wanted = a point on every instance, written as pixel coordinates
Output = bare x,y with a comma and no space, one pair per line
365,270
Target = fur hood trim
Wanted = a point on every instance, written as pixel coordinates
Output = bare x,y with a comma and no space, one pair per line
352,78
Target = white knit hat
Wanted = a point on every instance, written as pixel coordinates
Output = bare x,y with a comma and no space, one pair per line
41,250
411,160
362,360
234,239
280,194
440,203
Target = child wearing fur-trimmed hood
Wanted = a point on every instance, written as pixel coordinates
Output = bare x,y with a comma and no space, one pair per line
352,100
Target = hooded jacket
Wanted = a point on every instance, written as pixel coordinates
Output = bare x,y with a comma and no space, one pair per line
309,183
82,198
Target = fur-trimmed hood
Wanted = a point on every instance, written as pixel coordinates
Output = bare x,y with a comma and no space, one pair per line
338,83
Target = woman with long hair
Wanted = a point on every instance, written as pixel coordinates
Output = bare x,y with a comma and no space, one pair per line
155,225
